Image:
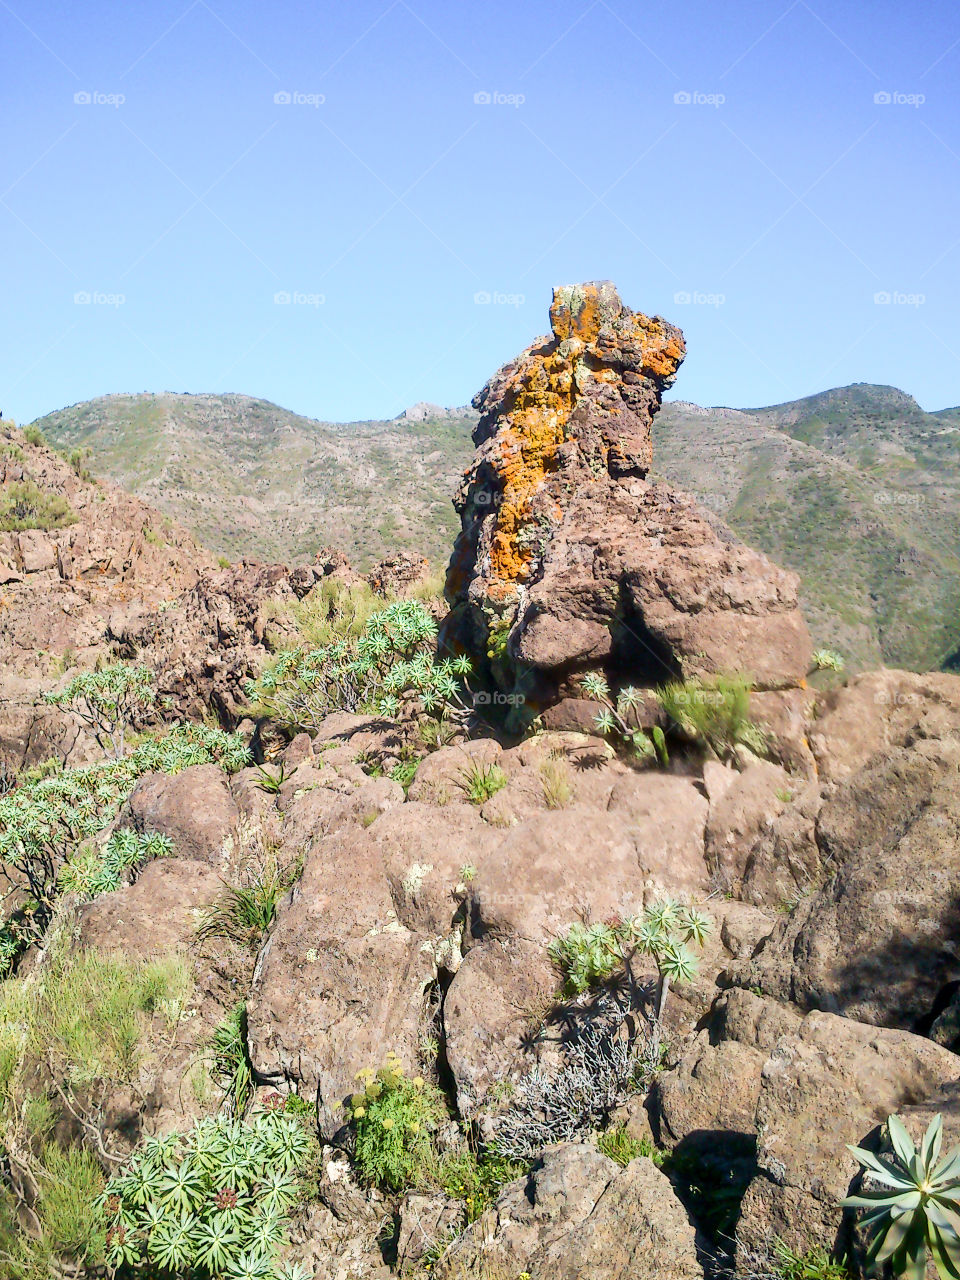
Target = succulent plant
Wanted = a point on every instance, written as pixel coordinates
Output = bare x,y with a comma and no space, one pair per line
917,1209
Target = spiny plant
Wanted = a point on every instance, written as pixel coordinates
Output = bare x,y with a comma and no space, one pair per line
917,1211
394,1120
714,712
211,1202
613,719
108,701
588,955
815,1264
392,658
271,782
93,870
481,781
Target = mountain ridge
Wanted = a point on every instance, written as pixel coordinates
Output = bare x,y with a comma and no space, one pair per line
856,488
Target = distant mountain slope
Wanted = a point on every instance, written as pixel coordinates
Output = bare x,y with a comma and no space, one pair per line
250,478
856,488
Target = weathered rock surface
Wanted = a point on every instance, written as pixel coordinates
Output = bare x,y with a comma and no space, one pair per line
569,558
877,941
578,1214
194,808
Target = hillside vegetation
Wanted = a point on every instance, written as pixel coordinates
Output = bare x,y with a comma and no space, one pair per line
857,489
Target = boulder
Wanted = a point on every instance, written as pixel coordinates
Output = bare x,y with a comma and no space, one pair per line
877,941
195,808
578,1214
742,817
157,914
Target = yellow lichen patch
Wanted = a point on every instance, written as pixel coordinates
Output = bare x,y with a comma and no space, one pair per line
662,355
543,399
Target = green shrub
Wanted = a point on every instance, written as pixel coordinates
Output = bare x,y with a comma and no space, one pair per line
481,781
394,1120
827,660
588,956
612,720
33,435
44,822
210,1202
916,1211
70,1184
108,702
714,712
616,1143
78,459
391,658
92,870
334,611
476,1180
24,506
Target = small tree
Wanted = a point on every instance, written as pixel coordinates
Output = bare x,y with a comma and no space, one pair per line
108,702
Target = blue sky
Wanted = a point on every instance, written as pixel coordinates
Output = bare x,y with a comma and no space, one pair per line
729,165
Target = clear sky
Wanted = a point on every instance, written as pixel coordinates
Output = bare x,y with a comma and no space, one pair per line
425,155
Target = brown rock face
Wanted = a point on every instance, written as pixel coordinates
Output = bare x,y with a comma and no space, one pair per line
569,558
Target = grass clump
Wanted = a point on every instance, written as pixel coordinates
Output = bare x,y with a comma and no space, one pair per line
231,1058
481,781
245,911
24,506
815,1264
617,1143
477,1180
334,611
33,435
713,712
557,781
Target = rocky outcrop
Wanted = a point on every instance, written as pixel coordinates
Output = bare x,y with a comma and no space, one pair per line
577,1214
570,558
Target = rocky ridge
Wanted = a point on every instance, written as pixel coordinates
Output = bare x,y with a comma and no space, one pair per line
826,855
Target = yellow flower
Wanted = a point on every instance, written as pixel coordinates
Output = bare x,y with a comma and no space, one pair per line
415,1126
388,1124
358,1112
